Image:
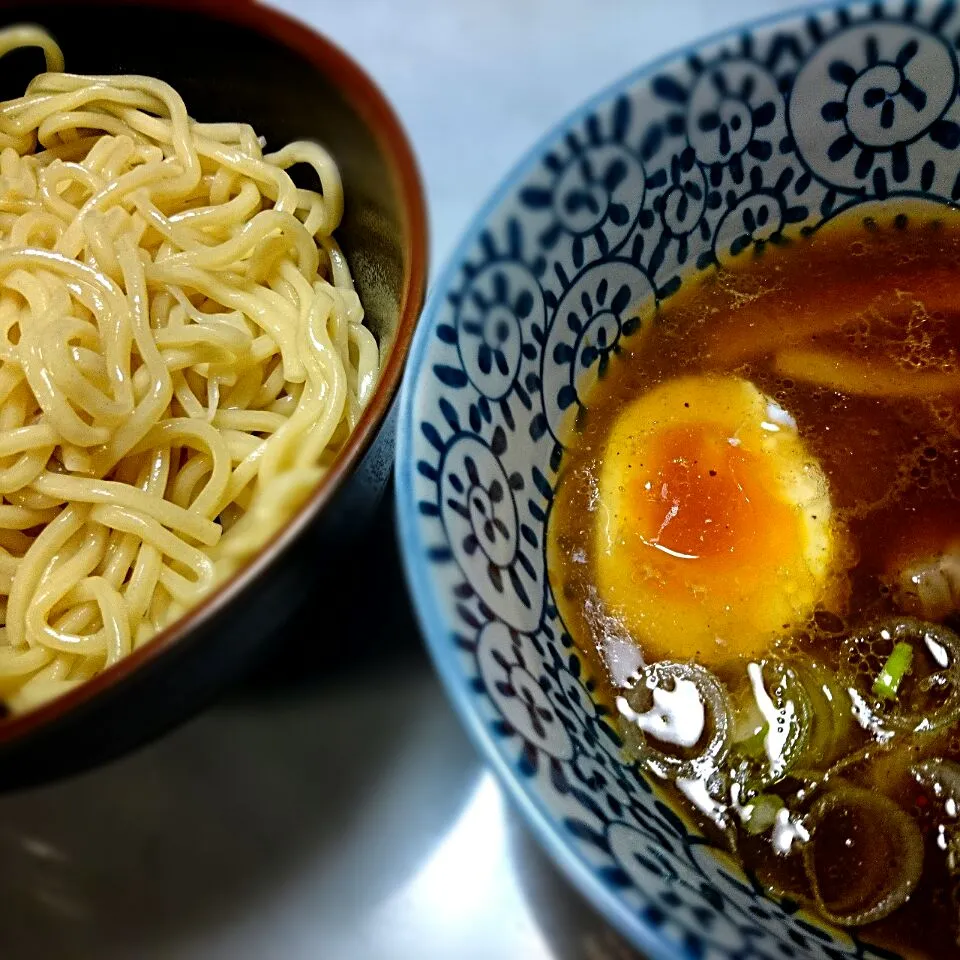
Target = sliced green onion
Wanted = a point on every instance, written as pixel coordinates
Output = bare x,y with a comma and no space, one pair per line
675,762
762,813
830,718
877,885
930,703
894,670
754,745
777,702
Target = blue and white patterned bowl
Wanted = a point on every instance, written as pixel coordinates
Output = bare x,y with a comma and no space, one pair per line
743,139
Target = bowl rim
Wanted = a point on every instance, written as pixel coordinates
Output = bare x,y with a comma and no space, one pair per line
432,621
373,107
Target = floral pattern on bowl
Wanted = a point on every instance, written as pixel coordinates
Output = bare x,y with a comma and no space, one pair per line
744,140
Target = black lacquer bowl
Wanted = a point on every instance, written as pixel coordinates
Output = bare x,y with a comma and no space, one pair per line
240,61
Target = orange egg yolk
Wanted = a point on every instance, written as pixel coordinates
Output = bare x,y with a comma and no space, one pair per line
705,501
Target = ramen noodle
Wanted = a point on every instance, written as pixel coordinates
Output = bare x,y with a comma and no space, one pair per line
182,355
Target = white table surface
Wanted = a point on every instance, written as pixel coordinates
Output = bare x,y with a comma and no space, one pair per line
262,830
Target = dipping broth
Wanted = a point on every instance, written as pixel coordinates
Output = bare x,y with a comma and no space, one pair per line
755,541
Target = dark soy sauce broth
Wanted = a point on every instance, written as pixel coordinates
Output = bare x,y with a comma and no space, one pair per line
882,291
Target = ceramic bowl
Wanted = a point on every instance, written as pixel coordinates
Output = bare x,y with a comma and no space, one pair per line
241,61
742,140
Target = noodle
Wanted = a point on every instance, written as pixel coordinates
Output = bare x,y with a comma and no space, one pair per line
873,378
182,355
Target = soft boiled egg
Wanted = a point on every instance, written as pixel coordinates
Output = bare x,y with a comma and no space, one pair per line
713,523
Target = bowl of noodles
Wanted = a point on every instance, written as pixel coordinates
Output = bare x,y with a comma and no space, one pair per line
678,484
212,258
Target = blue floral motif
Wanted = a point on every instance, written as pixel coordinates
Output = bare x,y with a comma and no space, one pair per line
886,95
682,205
487,536
741,144
593,189
732,113
494,330
498,313
606,303
505,662
755,219
478,506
